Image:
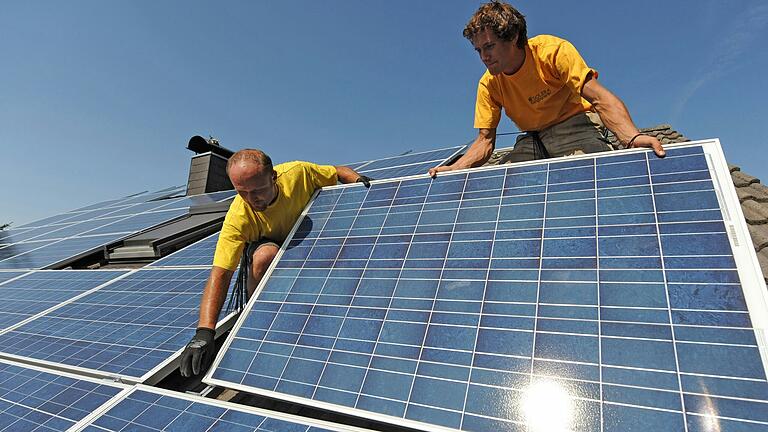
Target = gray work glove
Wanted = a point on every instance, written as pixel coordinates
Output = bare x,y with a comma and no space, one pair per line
198,354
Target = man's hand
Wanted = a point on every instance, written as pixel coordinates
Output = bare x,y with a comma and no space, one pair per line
433,171
365,180
198,354
649,142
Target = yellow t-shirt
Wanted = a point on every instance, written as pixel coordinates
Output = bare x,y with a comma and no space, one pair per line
297,182
545,91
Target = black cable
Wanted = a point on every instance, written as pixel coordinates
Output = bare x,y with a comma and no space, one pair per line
237,298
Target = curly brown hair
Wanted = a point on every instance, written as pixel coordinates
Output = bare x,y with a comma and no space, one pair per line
502,19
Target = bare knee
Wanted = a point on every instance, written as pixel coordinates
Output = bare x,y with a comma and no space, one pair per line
260,261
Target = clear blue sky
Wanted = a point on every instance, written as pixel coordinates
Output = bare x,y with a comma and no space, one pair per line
98,99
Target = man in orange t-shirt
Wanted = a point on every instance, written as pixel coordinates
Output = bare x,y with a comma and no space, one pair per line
546,88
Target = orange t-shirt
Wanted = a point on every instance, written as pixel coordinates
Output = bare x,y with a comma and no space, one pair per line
545,91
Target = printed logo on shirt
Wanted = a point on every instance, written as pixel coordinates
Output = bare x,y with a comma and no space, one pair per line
539,97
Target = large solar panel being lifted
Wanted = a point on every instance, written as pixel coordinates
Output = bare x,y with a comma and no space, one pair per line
407,164
151,409
33,399
608,292
199,253
38,291
130,329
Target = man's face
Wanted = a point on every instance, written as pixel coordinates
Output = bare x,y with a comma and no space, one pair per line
255,187
498,55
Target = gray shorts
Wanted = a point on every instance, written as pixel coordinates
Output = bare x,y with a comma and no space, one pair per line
580,134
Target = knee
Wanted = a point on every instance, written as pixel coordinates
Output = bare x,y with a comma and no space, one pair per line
261,259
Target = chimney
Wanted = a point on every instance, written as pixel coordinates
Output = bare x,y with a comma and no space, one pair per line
208,169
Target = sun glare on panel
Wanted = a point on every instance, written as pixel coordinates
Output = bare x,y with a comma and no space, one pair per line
547,406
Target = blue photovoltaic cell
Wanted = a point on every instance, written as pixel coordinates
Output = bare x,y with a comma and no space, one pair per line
405,165
104,207
199,253
197,200
32,234
56,251
6,275
147,409
130,210
32,400
605,287
139,222
13,250
126,328
40,290
71,234
78,229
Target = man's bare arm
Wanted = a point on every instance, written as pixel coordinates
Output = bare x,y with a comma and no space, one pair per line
477,154
214,295
348,175
615,116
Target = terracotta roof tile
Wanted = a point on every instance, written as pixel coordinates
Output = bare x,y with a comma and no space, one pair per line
755,191
740,179
754,213
759,234
762,258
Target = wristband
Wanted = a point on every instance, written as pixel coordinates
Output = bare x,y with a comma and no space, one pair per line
632,141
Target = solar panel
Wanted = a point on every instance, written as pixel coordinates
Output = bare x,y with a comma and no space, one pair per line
199,253
131,328
407,164
7,275
38,291
49,253
607,292
33,399
15,249
83,232
109,206
148,408
21,235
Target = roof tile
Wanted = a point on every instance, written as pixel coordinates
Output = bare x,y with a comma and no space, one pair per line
759,234
740,179
754,213
755,191
762,257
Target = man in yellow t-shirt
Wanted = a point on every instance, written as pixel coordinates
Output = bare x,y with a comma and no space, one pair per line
546,88
269,201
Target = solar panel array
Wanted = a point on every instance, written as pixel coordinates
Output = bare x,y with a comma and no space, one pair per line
6,275
407,164
595,293
129,328
146,408
54,240
199,253
39,291
32,399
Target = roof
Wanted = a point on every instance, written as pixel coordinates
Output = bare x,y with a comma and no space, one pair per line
752,194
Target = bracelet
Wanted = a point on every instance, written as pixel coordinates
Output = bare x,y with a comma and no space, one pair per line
629,144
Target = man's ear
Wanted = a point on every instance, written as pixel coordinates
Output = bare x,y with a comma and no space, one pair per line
274,175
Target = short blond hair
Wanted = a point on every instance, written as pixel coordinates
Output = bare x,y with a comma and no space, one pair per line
250,155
